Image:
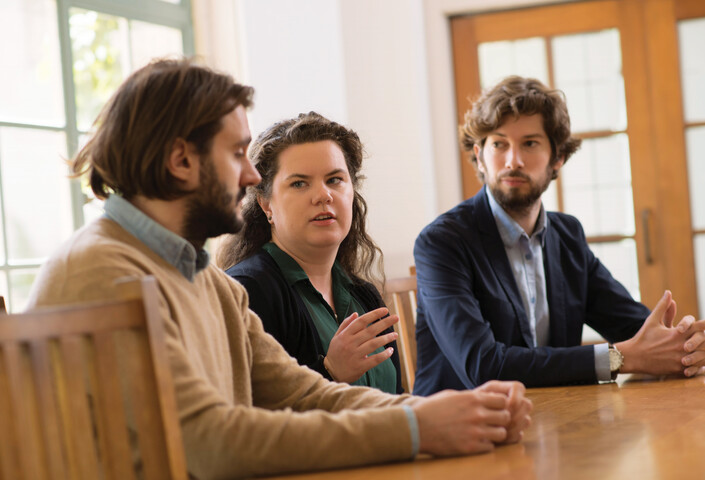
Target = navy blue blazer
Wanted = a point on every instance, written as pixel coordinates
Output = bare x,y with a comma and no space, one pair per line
471,324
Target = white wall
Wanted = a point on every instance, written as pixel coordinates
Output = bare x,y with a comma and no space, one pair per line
382,67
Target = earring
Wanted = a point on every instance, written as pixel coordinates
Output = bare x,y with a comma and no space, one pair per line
269,217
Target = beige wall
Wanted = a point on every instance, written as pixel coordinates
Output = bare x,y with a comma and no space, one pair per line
383,67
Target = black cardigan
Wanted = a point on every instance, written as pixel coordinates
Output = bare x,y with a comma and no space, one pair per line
285,316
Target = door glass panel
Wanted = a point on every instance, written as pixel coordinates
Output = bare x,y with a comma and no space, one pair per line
21,281
620,259
695,151
35,187
588,69
691,37
700,271
525,57
30,71
597,186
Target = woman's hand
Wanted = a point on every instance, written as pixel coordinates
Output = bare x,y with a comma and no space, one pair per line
349,353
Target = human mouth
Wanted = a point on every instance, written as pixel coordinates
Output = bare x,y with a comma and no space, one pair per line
324,217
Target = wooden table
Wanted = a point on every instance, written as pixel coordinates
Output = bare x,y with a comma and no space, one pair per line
638,428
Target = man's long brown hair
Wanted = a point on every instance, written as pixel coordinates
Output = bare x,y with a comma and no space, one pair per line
137,128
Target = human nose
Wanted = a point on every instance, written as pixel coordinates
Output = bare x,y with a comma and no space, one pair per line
322,195
249,176
513,159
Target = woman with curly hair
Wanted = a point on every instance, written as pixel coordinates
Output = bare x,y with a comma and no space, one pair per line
305,257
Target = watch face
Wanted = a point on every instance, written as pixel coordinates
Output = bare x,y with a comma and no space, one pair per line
615,360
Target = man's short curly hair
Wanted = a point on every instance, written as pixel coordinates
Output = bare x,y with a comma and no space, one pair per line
516,96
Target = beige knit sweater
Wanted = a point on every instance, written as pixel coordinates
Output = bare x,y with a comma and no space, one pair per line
245,407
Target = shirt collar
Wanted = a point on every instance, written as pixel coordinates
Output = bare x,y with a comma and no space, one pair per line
294,273
509,230
174,249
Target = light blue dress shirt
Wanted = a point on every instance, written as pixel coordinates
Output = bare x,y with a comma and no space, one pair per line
525,254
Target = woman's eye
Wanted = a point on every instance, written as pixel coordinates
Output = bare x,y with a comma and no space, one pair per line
297,184
335,180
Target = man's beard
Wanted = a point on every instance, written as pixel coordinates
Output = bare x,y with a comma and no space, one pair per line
513,200
212,210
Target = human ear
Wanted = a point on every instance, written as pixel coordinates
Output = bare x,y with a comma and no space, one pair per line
183,163
264,205
478,156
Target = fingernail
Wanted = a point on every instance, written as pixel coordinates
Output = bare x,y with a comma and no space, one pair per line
687,360
689,346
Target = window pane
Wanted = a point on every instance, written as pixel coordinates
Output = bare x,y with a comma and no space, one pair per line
620,259
526,57
699,243
597,186
588,69
99,43
691,38
21,281
30,71
36,192
695,152
149,41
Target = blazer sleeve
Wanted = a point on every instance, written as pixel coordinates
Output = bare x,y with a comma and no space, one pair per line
471,326
611,310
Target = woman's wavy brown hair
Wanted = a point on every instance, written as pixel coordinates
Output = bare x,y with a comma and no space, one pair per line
358,254
516,96
137,128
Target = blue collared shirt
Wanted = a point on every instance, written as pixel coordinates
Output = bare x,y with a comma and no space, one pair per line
171,247
525,254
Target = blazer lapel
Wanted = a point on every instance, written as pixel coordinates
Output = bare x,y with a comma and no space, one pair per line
494,249
555,289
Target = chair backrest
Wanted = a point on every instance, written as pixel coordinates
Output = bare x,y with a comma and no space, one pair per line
400,296
3,308
86,390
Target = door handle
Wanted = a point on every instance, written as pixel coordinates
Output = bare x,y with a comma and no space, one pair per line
646,227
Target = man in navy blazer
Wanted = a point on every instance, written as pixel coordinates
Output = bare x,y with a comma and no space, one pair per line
504,287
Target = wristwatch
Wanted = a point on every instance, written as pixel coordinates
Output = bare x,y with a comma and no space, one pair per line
616,360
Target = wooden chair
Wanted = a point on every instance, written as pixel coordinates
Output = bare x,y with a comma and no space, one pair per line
400,296
3,308
83,388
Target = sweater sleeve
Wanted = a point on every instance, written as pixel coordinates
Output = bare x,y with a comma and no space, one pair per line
298,421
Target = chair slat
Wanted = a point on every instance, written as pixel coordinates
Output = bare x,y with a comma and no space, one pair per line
109,410
23,397
142,387
81,447
401,300
9,456
51,428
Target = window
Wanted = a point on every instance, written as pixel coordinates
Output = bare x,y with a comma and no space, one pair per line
62,60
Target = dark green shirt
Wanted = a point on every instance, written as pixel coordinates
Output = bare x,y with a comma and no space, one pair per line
384,375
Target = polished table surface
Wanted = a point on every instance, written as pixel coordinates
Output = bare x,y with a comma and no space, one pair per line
637,428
